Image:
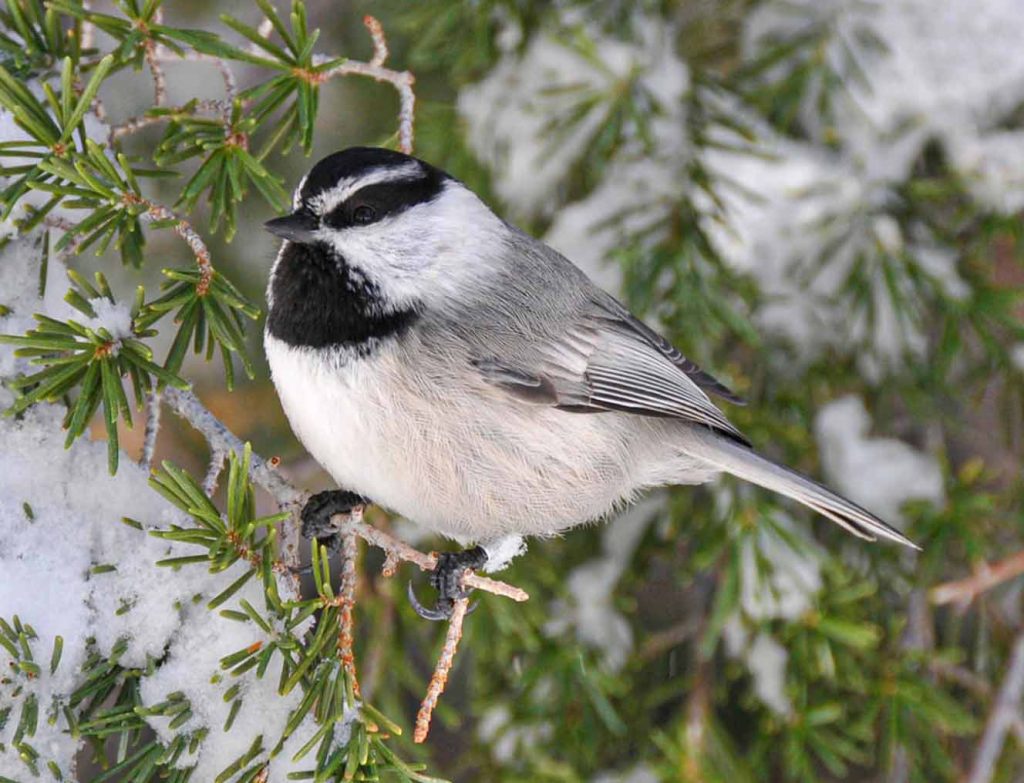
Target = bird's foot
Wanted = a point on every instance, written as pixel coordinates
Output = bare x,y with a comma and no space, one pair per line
319,510
446,578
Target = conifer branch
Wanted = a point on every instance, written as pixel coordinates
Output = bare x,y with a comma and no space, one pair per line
136,124
347,602
159,78
1004,712
186,405
159,213
152,429
402,81
217,457
441,671
397,550
986,576
351,527
189,407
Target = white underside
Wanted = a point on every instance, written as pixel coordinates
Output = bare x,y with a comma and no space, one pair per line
463,458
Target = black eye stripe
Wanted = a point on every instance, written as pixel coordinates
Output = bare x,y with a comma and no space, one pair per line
385,199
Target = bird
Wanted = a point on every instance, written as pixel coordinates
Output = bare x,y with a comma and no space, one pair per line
445,365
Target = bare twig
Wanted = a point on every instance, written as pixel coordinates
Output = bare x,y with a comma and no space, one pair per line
347,598
65,225
159,79
380,44
390,565
402,81
135,124
965,678
217,457
444,666
1000,720
188,406
399,550
230,85
164,55
149,46
152,429
99,109
985,577
184,230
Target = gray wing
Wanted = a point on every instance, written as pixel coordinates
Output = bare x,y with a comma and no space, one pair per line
620,317
608,361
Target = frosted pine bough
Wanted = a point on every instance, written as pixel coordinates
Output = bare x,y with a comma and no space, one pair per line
777,198
779,243
910,74
71,571
181,657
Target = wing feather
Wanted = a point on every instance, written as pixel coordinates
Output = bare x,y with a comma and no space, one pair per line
603,363
619,317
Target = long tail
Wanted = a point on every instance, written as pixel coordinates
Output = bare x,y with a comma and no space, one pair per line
747,464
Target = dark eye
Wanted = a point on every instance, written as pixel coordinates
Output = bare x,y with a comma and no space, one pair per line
363,214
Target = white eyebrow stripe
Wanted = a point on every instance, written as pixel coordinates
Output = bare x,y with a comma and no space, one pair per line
297,195
324,202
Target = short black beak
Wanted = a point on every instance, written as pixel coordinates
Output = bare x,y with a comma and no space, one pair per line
296,227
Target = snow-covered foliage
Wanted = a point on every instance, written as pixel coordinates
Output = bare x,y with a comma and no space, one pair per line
71,569
881,474
833,182
534,115
817,200
590,611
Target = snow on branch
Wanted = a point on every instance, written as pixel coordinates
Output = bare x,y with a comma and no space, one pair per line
351,527
314,70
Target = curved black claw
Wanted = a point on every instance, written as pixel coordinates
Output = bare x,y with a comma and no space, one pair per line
442,611
320,508
446,578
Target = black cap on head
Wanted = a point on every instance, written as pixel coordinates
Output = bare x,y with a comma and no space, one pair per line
354,162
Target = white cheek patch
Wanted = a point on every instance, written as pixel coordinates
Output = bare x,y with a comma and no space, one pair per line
427,252
324,202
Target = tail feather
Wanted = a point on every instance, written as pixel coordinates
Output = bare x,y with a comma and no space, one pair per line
747,464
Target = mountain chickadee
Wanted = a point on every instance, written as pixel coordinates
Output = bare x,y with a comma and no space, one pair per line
439,361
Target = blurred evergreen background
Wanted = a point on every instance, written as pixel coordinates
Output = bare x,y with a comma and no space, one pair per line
820,203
